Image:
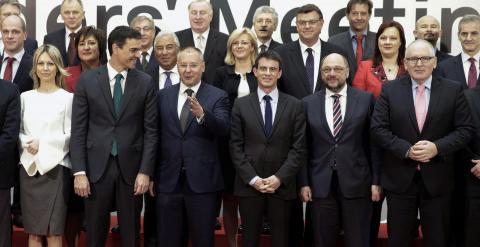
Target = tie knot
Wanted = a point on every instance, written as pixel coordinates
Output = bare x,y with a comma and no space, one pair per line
359,38
189,92
471,60
167,73
10,59
144,53
309,50
267,98
72,35
118,77
420,88
336,96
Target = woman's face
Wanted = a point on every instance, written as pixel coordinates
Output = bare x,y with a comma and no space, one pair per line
88,49
242,47
46,68
389,41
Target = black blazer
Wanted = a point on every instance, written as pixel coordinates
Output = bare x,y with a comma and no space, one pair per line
452,68
253,154
351,153
152,63
30,45
294,79
94,125
442,55
227,80
472,151
274,44
22,77
344,40
57,39
9,130
394,126
215,50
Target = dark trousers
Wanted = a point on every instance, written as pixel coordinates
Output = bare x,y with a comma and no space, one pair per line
402,216
251,213
5,219
183,206
329,213
150,221
112,190
472,222
300,231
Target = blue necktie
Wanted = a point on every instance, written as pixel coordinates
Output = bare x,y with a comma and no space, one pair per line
309,65
117,100
168,80
268,115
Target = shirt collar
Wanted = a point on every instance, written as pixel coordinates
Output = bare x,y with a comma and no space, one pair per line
315,47
353,34
204,34
342,92
273,94
195,88
173,70
18,56
465,57
150,50
427,83
267,44
113,72
68,32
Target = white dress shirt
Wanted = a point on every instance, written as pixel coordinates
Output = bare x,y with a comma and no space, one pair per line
316,59
466,64
428,87
267,44
67,36
329,105
111,77
174,76
205,38
16,63
182,97
45,117
148,56
243,88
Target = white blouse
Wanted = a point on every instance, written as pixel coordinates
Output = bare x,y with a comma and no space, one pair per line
243,88
45,117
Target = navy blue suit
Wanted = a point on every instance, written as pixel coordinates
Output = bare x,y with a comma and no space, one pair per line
22,77
188,173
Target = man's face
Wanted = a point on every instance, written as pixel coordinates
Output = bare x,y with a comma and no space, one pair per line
358,17
8,10
190,68
72,14
309,26
145,28
200,16
264,26
127,56
12,34
427,28
469,37
334,72
420,62
166,52
267,72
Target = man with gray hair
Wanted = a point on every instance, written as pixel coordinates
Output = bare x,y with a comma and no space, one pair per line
165,49
12,7
145,26
265,21
428,28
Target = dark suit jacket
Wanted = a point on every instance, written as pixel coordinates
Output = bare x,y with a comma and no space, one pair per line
227,80
452,68
442,56
152,63
94,125
215,50
274,44
472,151
352,152
22,77
344,40
253,154
294,79
9,129
30,45
394,127
57,39
197,147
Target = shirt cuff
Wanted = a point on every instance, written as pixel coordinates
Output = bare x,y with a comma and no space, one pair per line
252,182
80,173
201,119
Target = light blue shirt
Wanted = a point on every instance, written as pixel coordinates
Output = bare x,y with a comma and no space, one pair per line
354,40
274,102
428,88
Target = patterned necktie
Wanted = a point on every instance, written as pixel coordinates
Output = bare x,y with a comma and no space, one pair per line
359,52
309,65
420,106
7,75
268,115
472,74
201,43
263,48
71,52
117,100
144,60
168,80
185,110
337,115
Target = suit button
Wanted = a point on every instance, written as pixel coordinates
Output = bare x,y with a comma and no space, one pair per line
336,145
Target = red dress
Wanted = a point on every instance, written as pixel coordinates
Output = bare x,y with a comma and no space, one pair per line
72,79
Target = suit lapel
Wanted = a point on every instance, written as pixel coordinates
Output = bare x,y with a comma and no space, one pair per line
321,115
129,90
104,84
407,91
211,40
281,105
255,105
434,98
173,101
349,110
459,70
202,97
296,57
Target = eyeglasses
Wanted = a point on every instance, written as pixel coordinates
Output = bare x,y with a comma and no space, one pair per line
337,69
414,60
192,66
309,22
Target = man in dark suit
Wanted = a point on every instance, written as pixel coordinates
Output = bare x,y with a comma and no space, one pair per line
420,121
342,176
464,67
428,28
265,21
165,49
145,26
191,116
12,7
211,42
16,62
267,145
358,41
64,39
114,139
9,129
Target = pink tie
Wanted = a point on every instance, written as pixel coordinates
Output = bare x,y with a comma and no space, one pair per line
420,106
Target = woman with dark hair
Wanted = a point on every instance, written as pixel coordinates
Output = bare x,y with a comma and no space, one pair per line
237,79
387,62
91,45
44,137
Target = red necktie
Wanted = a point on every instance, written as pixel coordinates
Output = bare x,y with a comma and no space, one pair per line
71,52
7,75
472,73
359,52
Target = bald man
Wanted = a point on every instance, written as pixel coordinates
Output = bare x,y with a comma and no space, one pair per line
428,28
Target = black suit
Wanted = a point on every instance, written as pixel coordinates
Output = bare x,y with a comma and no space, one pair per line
339,170
215,50
9,129
254,154
30,46
94,128
395,128
152,63
452,68
442,56
22,77
273,44
294,79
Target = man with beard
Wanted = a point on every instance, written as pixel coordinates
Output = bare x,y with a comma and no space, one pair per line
265,22
338,178
428,28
